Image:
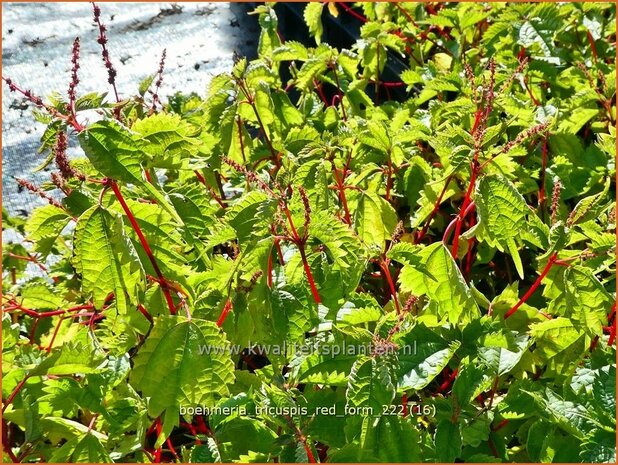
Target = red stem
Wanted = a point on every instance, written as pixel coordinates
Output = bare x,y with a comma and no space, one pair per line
464,206
269,272
469,255
389,180
500,425
352,12
200,177
345,116
404,403
318,88
477,120
612,334
251,102
406,14
534,286
314,290
29,259
536,102
433,213
16,390
391,285
55,333
171,447
6,444
201,424
392,84
240,139
35,314
593,47
157,458
342,197
144,312
226,309
279,253
146,246
310,456
450,226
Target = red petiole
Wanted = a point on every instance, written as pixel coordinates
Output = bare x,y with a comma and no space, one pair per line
145,245
534,286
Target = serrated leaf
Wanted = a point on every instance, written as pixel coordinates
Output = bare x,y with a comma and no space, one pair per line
434,273
372,383
590,207
375,219
84,449
106,259
313,19
173,369
502,212
427,355
111,150
44,226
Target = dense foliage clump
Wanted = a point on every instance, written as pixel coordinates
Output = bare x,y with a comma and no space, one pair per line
314,263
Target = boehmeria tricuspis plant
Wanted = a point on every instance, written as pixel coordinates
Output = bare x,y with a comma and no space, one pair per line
472,219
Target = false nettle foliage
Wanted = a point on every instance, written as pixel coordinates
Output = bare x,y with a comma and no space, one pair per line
464,209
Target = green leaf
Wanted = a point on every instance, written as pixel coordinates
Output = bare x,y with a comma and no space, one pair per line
375,219
70,359
448,441
106,259
91,101
313,19
112,150
540,435
432,271
84,449
145,84
44,226
429,355
586,301
590,207
501,360
247,217
502,212
559,343
342,246
390,439
289,51
165,139
39,294
310,69
206,453
372,383
174,369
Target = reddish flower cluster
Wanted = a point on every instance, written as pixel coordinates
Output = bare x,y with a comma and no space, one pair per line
555,199
102,40
74,69
305,200
62,161
398,233
37,190
38,101
525,135
159,81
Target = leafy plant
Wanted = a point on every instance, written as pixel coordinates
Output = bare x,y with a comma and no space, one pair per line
312,269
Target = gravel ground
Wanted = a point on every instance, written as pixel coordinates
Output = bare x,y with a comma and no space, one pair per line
37,38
